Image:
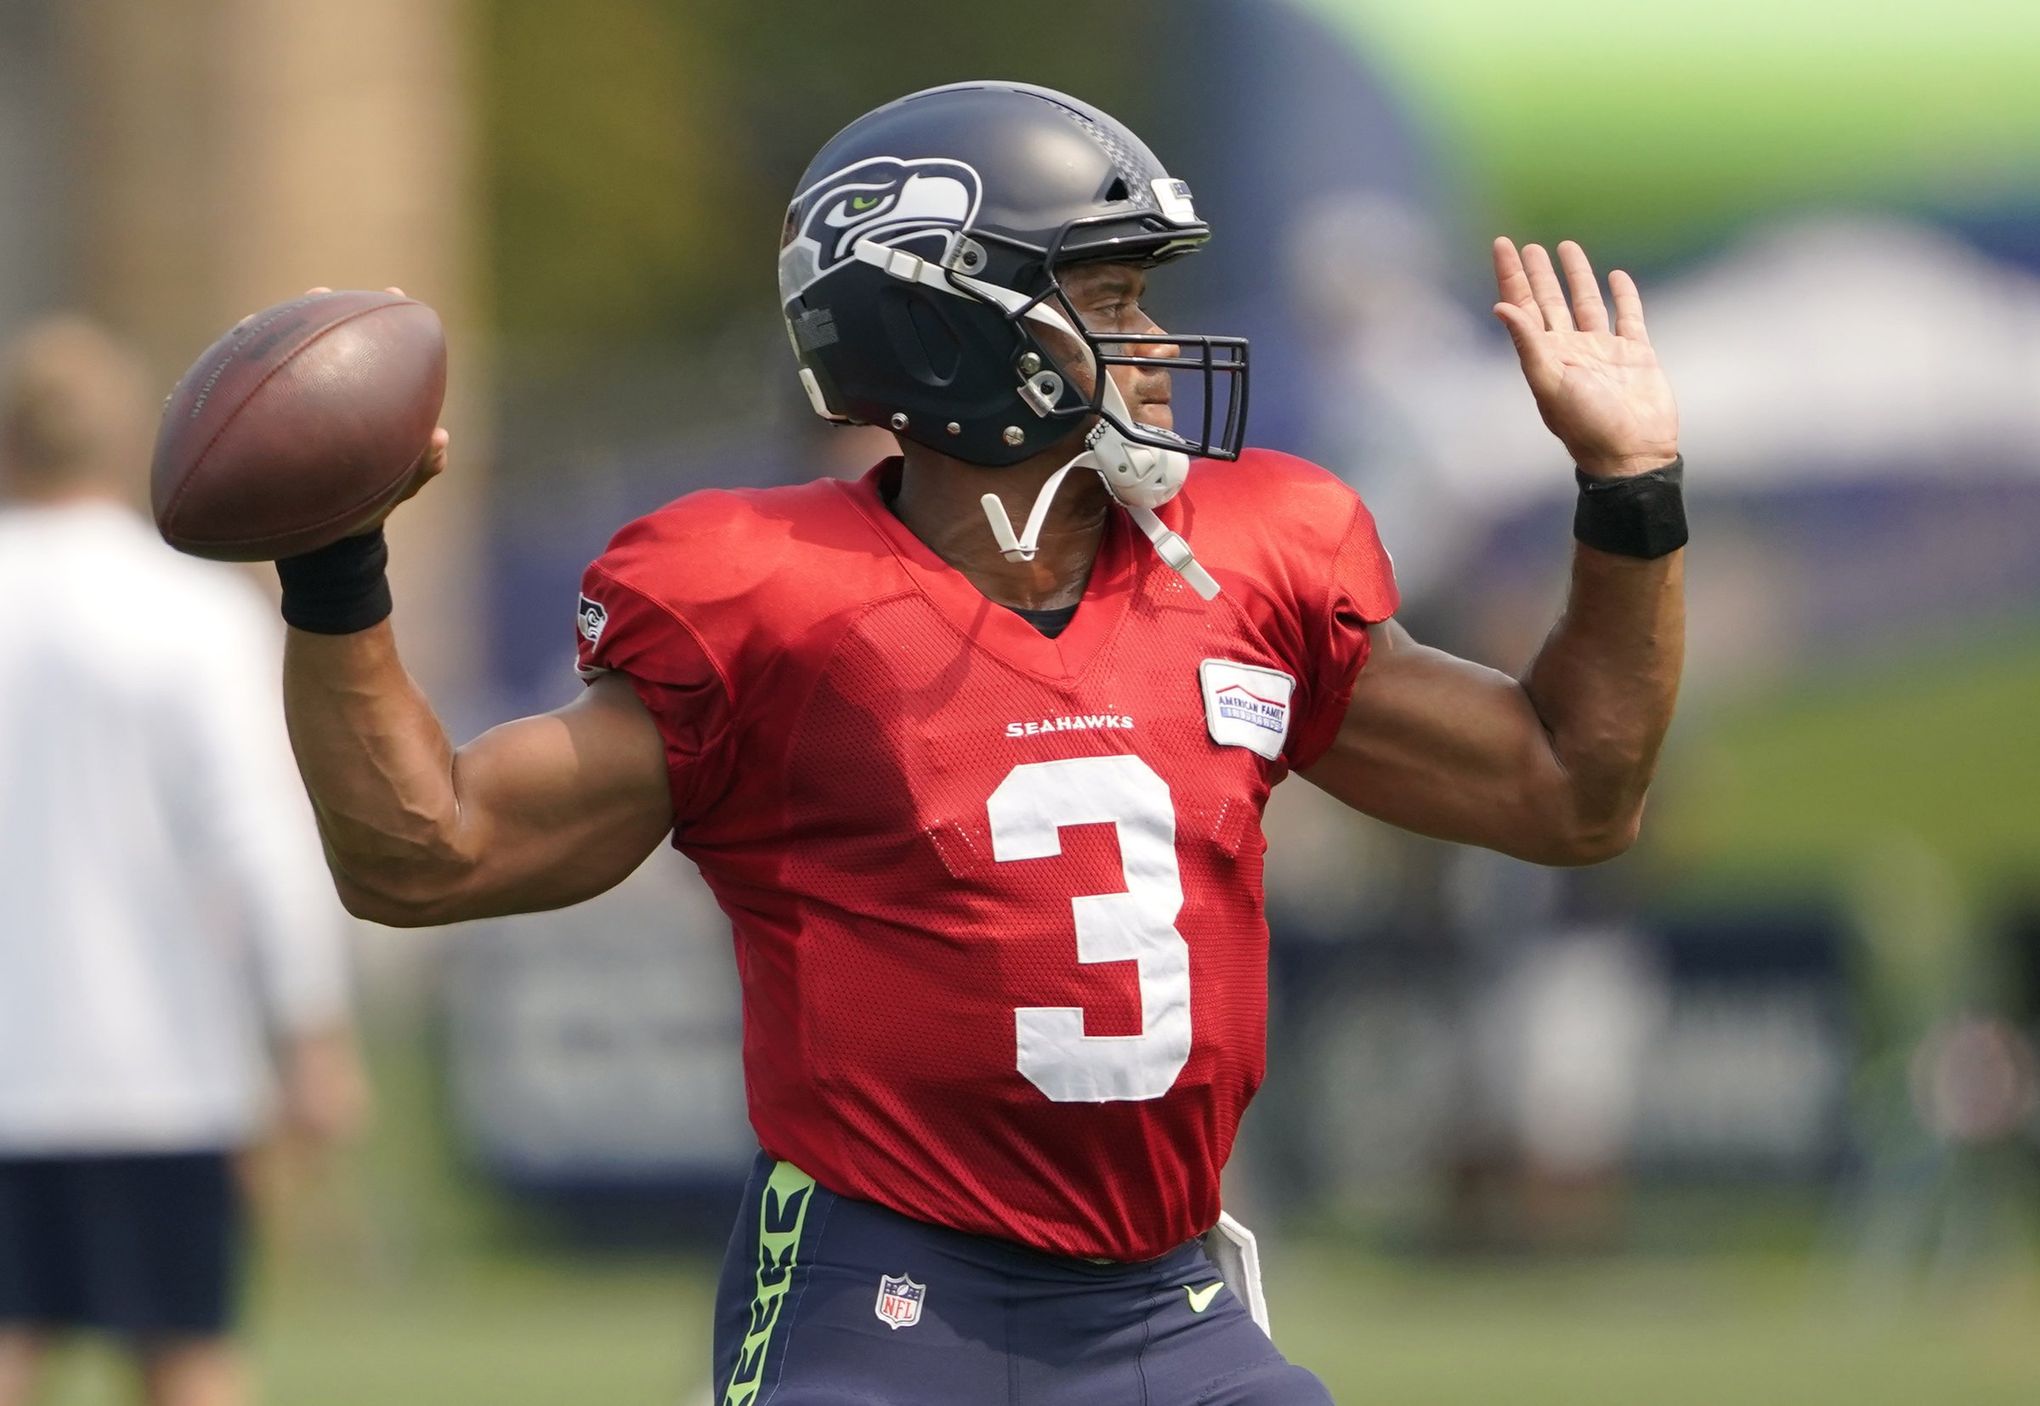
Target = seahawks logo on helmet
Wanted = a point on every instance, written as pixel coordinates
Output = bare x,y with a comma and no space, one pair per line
884,198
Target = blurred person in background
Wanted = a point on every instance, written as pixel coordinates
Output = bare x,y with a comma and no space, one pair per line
163,907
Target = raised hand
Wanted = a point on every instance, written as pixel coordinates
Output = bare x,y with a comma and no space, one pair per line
1599,389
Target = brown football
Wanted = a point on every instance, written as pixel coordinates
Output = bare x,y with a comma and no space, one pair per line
299,426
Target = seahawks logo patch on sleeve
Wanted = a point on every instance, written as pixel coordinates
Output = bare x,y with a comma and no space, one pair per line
592,617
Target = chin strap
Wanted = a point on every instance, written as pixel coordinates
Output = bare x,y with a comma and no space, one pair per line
1140,479
1172,549
1024,546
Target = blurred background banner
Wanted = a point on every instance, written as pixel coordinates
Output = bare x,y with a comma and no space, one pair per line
1751,1111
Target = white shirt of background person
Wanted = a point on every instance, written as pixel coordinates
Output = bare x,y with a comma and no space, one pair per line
164,907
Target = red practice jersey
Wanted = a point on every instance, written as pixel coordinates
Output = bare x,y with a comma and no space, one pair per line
996,897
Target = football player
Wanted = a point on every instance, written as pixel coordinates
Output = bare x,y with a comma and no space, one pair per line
974,750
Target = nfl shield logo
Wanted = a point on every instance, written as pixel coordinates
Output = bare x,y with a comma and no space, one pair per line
899,1301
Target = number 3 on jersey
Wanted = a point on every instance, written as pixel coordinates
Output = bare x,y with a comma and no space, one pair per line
1028,811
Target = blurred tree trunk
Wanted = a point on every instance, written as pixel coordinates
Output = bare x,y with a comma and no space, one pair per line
227,154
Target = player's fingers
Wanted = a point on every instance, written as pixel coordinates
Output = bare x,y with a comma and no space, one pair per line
1524,325
1533,349
1589,312
315,292
394,289
1628,307
1512,285
431,464
1545,288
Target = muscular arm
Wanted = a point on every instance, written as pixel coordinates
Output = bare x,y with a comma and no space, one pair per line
534,814
1550,768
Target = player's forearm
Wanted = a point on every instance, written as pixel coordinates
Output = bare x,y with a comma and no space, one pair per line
379,768
1604,685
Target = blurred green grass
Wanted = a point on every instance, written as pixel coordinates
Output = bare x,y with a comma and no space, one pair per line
1939,746
1743,1328
1668,1332
547,1330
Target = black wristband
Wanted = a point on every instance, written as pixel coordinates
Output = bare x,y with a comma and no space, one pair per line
1643,515
339,588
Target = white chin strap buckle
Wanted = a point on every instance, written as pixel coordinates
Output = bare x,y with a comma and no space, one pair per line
1172,549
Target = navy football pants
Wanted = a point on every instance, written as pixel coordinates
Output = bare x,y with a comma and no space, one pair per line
827,1301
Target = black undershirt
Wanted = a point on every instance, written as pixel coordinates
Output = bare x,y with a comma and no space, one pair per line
1049,622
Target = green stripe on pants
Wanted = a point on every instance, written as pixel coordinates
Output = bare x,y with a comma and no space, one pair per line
782,1211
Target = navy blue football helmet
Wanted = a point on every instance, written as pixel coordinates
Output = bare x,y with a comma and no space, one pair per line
918,268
